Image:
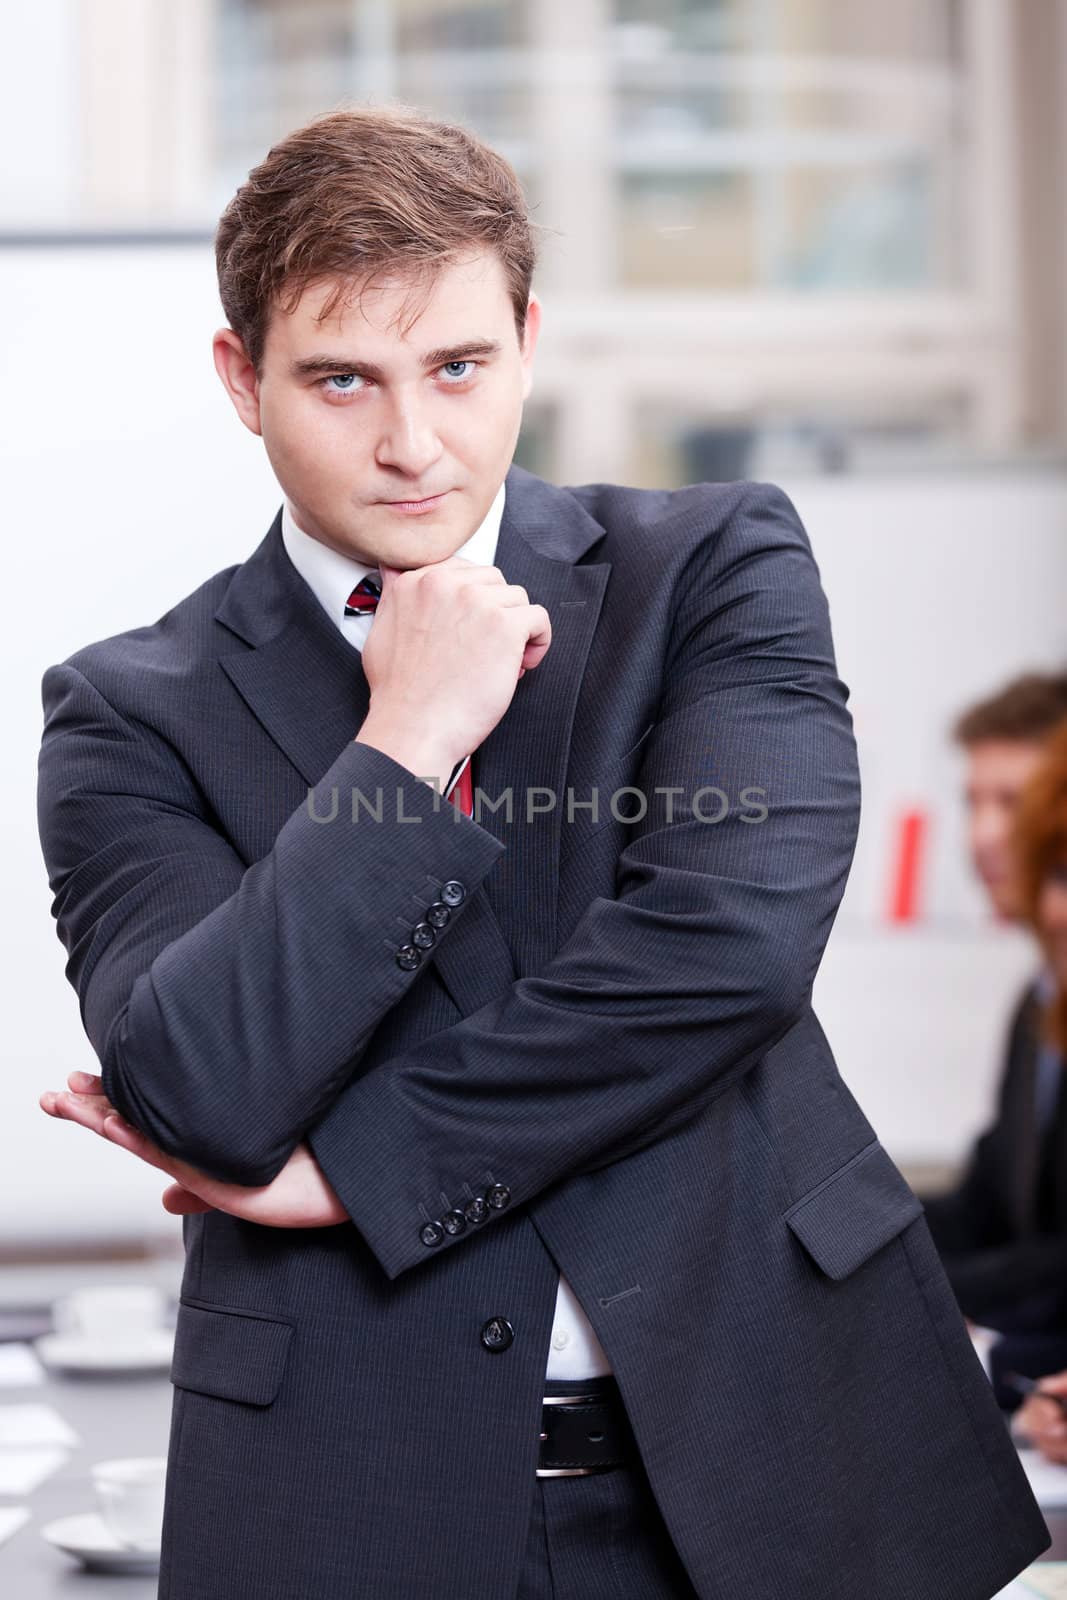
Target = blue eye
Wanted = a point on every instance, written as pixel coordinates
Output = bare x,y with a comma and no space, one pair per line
463,363
343,378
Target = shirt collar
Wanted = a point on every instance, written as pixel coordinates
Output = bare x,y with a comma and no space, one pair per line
332,576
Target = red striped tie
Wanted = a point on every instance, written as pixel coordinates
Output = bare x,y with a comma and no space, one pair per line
364,596
362,602
462,795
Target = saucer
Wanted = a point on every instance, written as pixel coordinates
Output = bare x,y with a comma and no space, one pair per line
152,1351
87,1537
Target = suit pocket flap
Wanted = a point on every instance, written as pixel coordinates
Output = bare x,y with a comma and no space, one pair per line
854,1212
237,1355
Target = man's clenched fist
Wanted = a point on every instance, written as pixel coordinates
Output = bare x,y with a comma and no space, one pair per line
447,646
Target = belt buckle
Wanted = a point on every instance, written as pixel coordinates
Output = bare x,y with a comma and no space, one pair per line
567,1472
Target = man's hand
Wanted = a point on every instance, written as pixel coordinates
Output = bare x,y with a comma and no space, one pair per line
299,1197
448,645
1043,1420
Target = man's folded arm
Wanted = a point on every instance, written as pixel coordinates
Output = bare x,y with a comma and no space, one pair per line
228,1002
666,992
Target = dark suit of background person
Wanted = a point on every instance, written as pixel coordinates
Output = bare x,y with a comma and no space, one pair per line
1002,1231
612,1035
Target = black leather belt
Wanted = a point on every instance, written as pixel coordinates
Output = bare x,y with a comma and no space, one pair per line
584,1428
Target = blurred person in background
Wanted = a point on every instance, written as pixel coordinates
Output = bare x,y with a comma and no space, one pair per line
1002,1230
1004,739
1041,831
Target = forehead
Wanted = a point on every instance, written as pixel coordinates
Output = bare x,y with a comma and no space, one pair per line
398,311
1004,761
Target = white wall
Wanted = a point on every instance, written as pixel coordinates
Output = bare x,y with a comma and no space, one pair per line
128,480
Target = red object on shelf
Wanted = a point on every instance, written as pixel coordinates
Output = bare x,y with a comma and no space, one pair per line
910,840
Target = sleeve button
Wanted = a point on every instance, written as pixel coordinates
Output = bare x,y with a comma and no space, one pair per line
437,915
454,1222
476,1210
453,893
498,1196
422,935
431,1233
408,957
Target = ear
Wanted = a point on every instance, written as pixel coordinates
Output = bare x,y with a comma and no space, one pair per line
529,342
238,377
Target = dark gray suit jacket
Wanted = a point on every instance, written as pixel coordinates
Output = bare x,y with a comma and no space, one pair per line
605,1062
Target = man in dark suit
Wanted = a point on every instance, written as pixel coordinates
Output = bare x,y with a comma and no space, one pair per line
1002,1229
451,1087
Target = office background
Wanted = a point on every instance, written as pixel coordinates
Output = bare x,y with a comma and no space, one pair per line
821,242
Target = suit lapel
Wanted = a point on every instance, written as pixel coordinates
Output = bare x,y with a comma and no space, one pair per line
524,760
305,684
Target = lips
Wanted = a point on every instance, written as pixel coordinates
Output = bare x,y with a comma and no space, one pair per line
416,508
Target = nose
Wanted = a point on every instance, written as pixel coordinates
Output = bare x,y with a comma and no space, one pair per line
408,440
989,829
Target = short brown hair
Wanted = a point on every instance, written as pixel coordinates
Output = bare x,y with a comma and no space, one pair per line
362,191
1040,828
1028,708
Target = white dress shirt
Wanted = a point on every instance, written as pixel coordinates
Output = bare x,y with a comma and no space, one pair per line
574,1349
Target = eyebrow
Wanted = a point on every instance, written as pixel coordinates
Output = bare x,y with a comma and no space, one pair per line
309,366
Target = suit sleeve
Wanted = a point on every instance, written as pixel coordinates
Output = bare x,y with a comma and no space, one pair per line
670,989
219,996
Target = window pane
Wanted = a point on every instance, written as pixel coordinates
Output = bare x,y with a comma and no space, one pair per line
687,230
675,447
793,144
908,30
689,24
459,24
865,229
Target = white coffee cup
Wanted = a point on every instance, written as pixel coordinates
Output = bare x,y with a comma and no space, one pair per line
130,1495
117,1313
